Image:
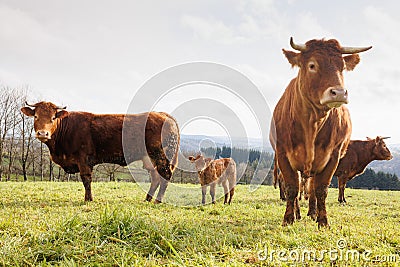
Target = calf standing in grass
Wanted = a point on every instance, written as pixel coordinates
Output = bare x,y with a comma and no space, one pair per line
359,154
211,172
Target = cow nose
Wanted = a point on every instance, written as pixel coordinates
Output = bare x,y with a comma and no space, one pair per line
42,134
340,94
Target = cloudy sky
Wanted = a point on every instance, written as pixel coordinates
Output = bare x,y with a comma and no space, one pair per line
94,55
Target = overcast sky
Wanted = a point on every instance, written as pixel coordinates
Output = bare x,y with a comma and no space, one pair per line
94,55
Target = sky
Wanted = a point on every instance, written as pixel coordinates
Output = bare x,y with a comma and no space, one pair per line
96,55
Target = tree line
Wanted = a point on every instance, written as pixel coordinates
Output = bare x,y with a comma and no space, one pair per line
372,180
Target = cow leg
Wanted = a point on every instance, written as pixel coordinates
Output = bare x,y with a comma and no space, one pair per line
155,182
321,185
342,186
226,190
321,192
86,176
312,200
291,180
161,191
164,169
212,191
281,189
203,194
306,188
301,188
231,193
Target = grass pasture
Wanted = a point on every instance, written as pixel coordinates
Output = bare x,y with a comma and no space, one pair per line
47,223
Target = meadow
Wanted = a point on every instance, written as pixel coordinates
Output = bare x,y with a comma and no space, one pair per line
48,223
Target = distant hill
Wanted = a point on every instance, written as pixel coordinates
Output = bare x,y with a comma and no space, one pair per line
194,142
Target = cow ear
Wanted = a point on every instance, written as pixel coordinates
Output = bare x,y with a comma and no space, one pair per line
61,114
191,158
28,111
351,61
292,57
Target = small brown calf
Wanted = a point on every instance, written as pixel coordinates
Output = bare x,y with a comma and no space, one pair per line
211,172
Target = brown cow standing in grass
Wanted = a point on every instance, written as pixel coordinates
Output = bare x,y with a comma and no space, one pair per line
80,140
358,155
211,172
311,127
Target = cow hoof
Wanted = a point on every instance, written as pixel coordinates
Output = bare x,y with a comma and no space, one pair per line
213,202
285,223
157,201
148,198
312,215
323,223
288,220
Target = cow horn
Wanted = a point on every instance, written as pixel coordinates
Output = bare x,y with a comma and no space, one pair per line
354,50
386,137
61,107
34,106
298,47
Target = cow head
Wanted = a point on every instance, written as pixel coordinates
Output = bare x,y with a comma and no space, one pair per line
321,64
46,116
380,150
200,162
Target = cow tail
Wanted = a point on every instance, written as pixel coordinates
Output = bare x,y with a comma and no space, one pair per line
171,141
275,178
232,178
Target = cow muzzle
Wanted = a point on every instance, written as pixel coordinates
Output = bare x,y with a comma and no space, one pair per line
43,135
334,97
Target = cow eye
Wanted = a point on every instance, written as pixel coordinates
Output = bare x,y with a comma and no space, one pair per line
53,118
312,67
36,117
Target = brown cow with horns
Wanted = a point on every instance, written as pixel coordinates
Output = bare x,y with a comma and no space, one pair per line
311,127
79,140
359,154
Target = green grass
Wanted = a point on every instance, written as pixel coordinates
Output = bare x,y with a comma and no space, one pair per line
47,223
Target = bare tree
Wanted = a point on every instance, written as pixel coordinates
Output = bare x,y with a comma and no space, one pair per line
11,147
26,138
109,170
6,103
51,168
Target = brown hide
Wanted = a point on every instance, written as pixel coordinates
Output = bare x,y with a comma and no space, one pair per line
79,140
311,127
359,154
211,172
